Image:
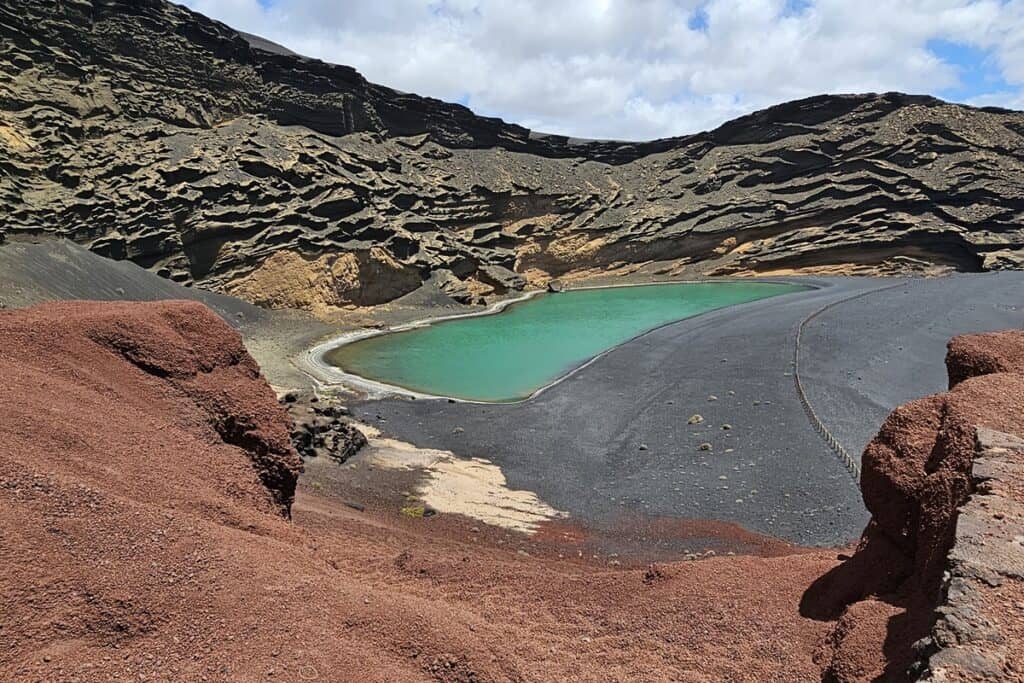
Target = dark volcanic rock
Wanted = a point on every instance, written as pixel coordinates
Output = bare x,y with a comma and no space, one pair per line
147,132
978,634
320,429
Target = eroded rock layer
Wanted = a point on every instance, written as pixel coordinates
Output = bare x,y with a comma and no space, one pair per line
151,133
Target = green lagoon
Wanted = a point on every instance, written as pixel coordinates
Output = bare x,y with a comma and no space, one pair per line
510,355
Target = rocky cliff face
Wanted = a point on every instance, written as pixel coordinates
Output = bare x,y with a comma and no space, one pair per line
151,133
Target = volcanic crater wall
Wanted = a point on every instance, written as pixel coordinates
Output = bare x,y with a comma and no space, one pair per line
148,132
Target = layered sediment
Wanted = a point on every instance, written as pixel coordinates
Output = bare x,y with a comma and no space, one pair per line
148,132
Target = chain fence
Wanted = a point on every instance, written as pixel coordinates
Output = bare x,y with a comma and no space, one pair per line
848,461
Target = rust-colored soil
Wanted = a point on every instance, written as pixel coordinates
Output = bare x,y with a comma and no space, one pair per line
145,482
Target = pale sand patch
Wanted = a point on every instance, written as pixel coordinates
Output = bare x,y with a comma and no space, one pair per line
13,138
893,267
473,487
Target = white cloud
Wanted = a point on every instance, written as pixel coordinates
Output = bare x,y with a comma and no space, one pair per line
634,69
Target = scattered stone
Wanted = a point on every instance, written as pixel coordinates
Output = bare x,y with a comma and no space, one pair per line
643,447
417,511
727,426
653,573
712,397
502,277
695,419
319,431
704,446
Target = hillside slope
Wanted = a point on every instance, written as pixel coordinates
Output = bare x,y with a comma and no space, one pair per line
147,132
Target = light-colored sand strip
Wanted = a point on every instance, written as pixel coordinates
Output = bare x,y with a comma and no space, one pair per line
473,487
314,364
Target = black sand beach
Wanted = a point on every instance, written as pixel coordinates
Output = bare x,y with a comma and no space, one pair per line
612,442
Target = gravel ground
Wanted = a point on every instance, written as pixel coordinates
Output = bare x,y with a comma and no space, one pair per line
863,358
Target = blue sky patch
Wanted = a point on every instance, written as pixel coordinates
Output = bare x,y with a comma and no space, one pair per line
698,21
576,74
795,7
977,70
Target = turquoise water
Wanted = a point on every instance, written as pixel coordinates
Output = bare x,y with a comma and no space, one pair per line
509,355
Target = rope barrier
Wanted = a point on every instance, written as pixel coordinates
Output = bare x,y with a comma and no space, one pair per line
851,465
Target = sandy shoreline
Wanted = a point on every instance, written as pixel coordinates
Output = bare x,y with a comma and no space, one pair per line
325,374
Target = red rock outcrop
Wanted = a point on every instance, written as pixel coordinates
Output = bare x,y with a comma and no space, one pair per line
179,350
916,474
984,354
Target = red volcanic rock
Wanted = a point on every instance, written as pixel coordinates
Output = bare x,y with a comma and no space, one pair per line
984,354
915,475
916,472
851,652
894,468
180,351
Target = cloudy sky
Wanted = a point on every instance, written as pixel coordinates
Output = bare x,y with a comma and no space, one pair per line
640,69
